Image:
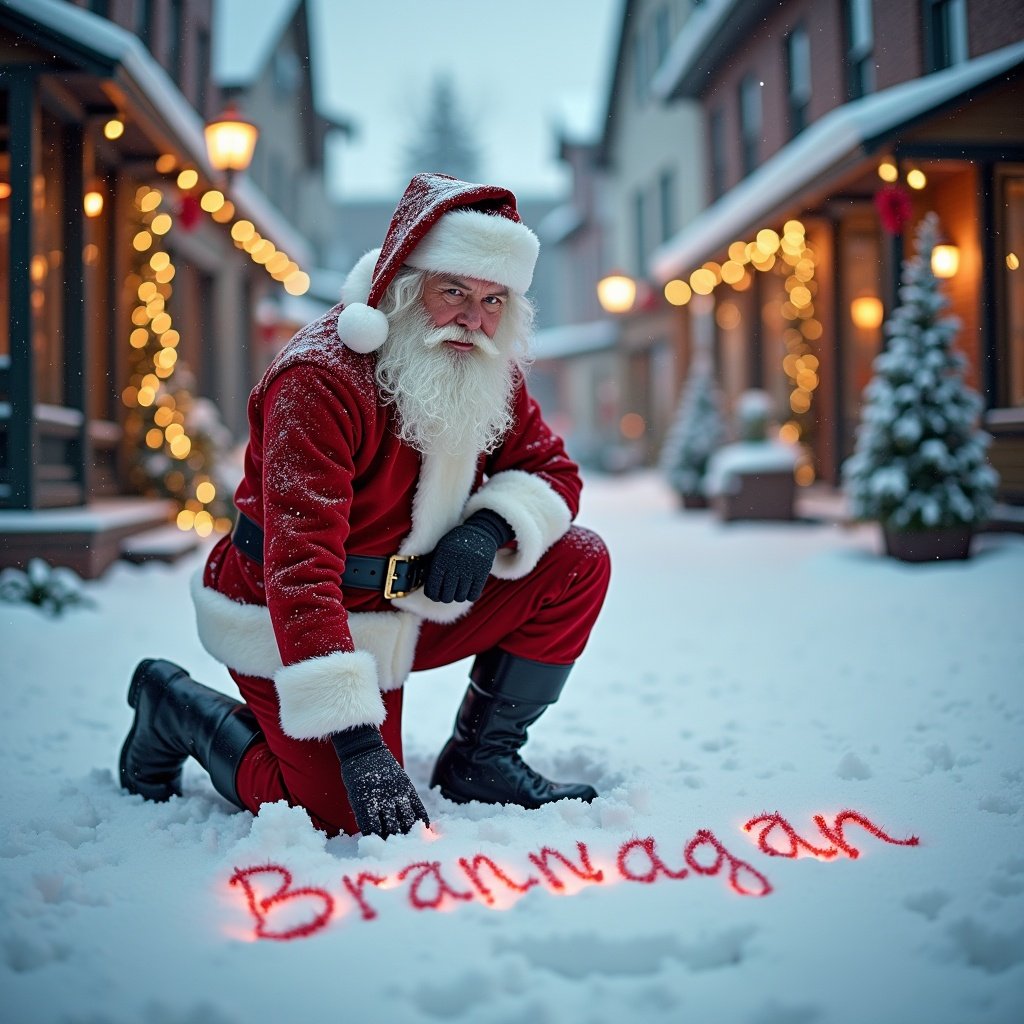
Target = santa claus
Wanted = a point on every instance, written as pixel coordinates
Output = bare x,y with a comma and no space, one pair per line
404,506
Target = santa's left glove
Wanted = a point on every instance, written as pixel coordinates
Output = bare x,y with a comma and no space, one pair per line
383,798
463,558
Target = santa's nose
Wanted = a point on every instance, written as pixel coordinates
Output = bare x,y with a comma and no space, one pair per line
470,319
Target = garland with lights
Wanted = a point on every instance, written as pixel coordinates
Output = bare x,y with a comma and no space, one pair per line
178,439
790,255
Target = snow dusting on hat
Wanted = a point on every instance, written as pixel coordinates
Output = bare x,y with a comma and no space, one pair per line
443,225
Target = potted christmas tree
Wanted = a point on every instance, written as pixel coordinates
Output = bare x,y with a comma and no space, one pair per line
697,430
753,478
919,466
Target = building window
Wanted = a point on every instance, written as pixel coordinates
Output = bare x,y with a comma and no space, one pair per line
662,36
945,33
175,48
144,22
639,68
798,73
1009,269
718,162
640,231
750,122
202,71
666,204
860,44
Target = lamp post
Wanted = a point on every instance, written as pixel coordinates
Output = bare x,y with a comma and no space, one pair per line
230,141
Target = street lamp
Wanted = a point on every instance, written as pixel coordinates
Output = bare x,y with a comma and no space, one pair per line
230,141
616,292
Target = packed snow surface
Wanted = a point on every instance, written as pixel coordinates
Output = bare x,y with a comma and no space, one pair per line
770,675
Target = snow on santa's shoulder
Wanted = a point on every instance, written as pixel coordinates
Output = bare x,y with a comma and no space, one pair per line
811,809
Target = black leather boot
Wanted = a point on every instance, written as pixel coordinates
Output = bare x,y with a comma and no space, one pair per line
177,718
481,761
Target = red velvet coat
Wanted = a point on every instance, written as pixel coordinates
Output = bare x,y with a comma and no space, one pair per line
325,474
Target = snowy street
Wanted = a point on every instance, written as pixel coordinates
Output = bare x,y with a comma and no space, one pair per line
745,674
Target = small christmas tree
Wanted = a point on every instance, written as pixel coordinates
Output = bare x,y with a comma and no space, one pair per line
919,462
697,430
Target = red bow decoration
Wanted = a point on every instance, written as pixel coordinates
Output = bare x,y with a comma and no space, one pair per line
190,212
894,208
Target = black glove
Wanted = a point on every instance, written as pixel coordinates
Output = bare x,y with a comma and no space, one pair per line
462,560
382,797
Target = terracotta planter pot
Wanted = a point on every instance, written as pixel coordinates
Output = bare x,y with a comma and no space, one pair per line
767,495
953,542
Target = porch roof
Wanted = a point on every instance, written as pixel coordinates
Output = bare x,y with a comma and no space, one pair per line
96,46
817,157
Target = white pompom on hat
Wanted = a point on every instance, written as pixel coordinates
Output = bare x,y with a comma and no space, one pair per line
443,225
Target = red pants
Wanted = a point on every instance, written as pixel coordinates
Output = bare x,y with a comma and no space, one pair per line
546,616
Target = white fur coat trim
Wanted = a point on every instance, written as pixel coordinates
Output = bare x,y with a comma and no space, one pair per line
241,636
444,484
480,245
359,280
322,696
535,511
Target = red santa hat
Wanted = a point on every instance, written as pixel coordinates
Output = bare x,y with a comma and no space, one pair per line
446,226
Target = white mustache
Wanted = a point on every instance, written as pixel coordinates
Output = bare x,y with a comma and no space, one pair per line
439,335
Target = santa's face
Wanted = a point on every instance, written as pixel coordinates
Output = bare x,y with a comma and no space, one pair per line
449,362
462,308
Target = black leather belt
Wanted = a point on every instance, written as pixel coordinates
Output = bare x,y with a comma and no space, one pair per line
393,576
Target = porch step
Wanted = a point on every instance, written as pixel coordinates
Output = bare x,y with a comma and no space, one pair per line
163,544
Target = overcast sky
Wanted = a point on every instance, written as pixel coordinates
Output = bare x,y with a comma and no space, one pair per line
517,67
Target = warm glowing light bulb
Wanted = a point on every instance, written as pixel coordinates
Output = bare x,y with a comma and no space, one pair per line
206,492
916,179
114,128
188,179
866,312
888,171
615,292
212,201
702,281
678,292
92,203
945,260
297,283
1012,261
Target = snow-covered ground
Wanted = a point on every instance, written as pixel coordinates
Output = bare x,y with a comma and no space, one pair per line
775,672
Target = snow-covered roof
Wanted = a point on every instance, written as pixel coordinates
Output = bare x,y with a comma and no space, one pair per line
244,35
140,74
693,43
574,339
559,224
825,148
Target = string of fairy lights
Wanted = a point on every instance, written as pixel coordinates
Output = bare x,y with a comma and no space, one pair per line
158,396
790,254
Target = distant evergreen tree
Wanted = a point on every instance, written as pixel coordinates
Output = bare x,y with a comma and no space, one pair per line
696,431
920,458
444,140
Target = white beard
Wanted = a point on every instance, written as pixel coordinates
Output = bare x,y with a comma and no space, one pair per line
446,400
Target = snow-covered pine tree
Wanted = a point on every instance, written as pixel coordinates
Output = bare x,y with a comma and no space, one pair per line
697,429
920,459
444,141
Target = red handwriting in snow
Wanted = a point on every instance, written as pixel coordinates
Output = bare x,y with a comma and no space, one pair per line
794,844
283,911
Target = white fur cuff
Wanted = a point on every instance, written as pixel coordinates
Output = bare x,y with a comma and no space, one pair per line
322,696
537,514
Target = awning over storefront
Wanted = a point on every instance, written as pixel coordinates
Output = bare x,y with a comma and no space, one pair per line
101,48
575,340
826,151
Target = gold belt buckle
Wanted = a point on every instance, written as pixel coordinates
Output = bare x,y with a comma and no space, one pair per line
392,575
